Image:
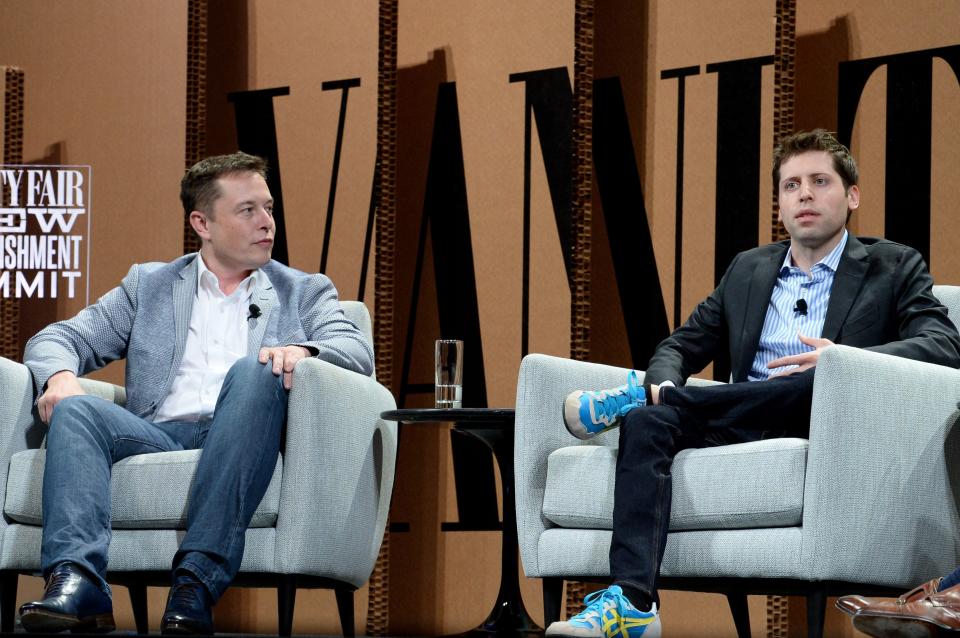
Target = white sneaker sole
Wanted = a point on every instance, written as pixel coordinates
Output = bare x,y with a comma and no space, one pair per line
571,416
563,629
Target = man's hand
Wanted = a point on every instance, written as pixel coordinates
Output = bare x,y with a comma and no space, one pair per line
805,360
60,386
284,359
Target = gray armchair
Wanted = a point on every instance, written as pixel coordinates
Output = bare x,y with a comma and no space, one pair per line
320,523
867,504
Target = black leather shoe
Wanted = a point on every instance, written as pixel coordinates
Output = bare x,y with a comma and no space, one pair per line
71,601
188,607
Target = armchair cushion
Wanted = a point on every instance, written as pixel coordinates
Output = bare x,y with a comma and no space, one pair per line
740,486
165,476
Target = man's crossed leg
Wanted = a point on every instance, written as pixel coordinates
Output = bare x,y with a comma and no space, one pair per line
655,424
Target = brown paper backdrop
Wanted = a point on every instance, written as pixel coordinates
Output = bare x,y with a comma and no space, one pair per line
105,86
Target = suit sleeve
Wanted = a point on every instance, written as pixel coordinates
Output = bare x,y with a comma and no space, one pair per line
697,342
330,335
97,335
924,329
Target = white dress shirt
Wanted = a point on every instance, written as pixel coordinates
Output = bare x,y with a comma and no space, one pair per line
216,339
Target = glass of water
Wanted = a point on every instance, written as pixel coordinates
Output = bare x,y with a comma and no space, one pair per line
448,380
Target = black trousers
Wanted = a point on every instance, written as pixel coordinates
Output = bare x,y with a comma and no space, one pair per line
688,417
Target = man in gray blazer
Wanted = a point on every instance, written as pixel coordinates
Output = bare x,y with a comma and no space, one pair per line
776,308
211,341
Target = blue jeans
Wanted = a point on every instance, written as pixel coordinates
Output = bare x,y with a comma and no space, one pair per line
688,417
240,446
950,580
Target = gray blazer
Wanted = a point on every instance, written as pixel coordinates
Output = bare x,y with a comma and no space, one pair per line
881,300
145,320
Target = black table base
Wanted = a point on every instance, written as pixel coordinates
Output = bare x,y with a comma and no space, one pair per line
494,428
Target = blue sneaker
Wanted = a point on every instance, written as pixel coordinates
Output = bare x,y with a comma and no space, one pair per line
587,413
609,615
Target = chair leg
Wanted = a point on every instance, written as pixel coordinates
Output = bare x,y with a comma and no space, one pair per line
552,598
345,607
8,599
286,599
741,613
816,611
138,601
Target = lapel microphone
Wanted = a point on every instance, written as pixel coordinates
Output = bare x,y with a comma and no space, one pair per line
801,307
255,311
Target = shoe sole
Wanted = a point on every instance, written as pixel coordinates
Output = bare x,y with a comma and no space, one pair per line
571,420
564,630
849,610
576,428
179,629
40,621
899,627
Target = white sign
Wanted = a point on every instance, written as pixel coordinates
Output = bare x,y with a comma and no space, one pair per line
44,231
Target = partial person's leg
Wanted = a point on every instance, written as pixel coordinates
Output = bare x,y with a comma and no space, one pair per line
650,438
779,403
746,405
855,603
239,457
931,609
87,436
950,580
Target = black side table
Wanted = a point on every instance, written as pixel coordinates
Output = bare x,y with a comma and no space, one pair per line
494,428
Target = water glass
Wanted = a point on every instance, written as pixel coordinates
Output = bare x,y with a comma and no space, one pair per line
448,381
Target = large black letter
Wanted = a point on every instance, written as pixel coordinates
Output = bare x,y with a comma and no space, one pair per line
738,167
344,86
909,118
446,215
548,97
257,135
625,215
681,75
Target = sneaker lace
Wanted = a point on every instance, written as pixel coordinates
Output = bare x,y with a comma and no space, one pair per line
598,602
621,401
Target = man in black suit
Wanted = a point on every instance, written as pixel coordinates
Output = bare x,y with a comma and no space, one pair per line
775,310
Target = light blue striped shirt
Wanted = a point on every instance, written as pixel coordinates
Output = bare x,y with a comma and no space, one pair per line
783,323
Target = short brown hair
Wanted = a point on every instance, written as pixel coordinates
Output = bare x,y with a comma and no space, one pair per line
815,140
199,189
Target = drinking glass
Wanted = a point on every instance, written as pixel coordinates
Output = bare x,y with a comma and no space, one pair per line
448,380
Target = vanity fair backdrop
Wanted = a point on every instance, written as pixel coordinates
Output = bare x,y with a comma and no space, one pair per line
535,191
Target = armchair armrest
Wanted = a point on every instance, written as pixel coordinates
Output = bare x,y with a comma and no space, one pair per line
543,384
16,400
338,471
18,428
115,393
883,470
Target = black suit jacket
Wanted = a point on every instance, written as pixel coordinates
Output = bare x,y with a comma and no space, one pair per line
881,300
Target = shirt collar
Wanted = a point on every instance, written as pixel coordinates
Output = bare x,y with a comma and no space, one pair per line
247,286
831,261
